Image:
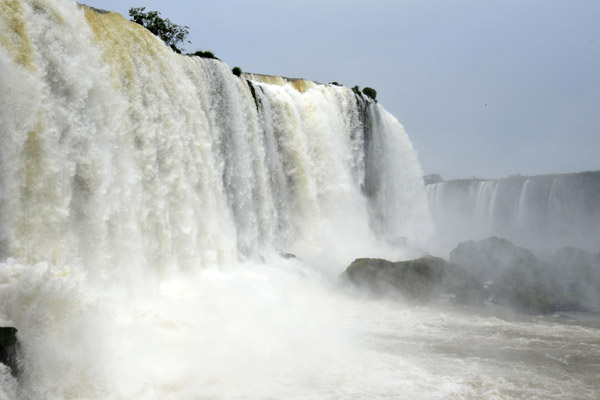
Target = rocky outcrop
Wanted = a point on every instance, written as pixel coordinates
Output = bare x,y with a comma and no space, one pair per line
512,276
9,348
577,272
516,277
432,178
417,280
488,259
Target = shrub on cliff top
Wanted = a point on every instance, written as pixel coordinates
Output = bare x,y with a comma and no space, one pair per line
370,92
172,34
204,54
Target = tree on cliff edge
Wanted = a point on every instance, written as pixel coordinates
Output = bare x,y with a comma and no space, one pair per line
172,34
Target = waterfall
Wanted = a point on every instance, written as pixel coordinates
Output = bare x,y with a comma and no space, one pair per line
118,153
147,198
542,212
149,203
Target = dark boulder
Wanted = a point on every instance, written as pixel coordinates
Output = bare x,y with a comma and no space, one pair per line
577,272
9,348
416,280
458,282
490,258
515,276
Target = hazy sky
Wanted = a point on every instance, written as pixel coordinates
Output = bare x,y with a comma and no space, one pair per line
485,88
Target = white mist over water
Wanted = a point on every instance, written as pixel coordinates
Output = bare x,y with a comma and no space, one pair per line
146,197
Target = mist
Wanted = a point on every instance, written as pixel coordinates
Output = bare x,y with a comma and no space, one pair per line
534,240
542,212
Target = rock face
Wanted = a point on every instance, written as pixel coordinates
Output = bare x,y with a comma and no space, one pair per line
432,178
517,278
489,259
513,276
577,272
8,348
415,280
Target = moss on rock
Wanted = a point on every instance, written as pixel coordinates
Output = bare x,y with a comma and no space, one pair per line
417,280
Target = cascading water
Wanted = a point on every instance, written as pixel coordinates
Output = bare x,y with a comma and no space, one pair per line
146,199
124,165
129,155
542,212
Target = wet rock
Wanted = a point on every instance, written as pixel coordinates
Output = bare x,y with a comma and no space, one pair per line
577,272
9,348
432,178
490,258
417,280
517,278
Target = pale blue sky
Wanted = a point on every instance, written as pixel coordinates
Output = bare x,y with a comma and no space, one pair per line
484,88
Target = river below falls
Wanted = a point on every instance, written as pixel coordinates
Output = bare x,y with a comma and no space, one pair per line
260,332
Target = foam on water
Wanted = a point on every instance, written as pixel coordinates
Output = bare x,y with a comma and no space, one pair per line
280,329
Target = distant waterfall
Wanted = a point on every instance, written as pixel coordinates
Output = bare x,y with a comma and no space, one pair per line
544,212
118,154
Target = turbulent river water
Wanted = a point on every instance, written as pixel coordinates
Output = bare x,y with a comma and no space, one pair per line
149,204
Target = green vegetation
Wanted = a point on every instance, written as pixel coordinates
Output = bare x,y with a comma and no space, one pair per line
335,83
370,92
203,54
172,34
237,71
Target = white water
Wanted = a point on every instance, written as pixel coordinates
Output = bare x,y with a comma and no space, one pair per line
145,200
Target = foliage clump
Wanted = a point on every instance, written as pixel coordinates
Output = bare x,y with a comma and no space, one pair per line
237,71
172,34
335,83
204,54
370,92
